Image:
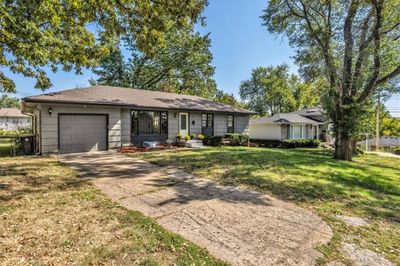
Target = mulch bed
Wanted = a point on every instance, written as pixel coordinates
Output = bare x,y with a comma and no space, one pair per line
136,149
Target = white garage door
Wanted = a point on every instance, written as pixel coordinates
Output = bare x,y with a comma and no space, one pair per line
81,133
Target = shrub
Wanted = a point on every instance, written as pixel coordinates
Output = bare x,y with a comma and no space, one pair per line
192,136
213,141
287,143
268,143
200,136
187,137
179,136
297,143
397,151
238,139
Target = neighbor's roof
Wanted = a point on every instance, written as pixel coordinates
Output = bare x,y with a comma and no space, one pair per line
315,113
384,141
11,112
119,96
285,118
309,111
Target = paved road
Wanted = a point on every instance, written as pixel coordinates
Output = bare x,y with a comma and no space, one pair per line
240,226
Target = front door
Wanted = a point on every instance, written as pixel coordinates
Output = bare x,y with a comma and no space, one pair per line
184,124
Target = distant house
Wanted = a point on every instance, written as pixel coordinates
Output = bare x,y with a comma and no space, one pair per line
12,119
307,123
386,143
105,117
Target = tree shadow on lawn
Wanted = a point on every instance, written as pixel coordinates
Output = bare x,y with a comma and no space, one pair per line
301,175
20,178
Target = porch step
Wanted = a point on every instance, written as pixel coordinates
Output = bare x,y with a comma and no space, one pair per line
194,143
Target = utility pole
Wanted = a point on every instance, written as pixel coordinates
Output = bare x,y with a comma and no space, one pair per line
378,114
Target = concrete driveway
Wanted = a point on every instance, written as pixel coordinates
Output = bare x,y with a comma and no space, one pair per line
237,225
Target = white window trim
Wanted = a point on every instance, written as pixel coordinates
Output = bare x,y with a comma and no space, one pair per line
303,131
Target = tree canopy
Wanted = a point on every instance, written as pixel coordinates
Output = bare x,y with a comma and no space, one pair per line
36,36
183,66
352,44
9,102
273,90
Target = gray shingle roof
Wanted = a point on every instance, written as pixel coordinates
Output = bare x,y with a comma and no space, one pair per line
284,118
11,112
383,141
315,113
119,96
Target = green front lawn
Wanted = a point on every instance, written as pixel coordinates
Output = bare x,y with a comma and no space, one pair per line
5,146
369,187
48,216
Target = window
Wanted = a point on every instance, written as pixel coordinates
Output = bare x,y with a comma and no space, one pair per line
149,122
315,132
230,123
297,132
207,124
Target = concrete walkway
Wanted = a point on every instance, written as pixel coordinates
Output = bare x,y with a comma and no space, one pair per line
239,226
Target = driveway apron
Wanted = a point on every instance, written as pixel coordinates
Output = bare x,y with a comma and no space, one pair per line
237,225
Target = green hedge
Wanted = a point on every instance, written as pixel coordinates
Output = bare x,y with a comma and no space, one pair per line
268,143
300,143
286,144
397,151
213,141
237,139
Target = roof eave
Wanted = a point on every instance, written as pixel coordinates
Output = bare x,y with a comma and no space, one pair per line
244,112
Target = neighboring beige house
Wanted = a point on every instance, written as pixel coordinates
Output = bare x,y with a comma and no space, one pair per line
105,117
304,124
386,143
13,119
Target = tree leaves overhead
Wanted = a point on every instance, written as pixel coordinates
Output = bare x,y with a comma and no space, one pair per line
353,44
39,35
183,66
273,90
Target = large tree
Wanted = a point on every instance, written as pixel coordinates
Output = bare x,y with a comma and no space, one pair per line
353,44
9,102
183,66
273,90
36,36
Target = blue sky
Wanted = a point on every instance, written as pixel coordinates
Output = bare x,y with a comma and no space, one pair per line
239,44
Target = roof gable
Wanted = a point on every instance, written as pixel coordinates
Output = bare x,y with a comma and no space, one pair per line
11,112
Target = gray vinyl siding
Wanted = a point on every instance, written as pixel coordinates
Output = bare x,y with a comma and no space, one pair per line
241,124
49,124
196,127
220,124
125,127
173,124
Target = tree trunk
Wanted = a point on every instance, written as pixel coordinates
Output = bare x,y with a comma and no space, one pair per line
343,148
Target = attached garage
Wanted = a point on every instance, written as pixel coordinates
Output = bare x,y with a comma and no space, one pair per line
82,132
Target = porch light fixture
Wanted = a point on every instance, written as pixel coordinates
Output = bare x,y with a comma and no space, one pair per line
50,111
175,115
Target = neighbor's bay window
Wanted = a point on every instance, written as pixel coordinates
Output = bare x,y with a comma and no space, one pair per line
297,132
149,122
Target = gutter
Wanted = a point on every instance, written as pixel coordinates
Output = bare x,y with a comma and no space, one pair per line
133,106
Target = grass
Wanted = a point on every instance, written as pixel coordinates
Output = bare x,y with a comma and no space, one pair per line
5,146
368,187
48,216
